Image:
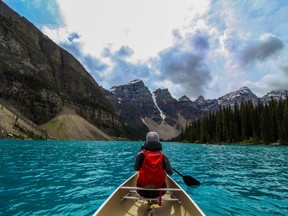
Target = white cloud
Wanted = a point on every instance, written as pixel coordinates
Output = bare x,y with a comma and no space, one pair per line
174,89
268,83
58,35
215,45
145,26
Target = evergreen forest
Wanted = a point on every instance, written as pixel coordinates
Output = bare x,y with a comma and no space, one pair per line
244,123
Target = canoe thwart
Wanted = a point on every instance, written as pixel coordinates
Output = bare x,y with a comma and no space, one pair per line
150,199
128,196
148,189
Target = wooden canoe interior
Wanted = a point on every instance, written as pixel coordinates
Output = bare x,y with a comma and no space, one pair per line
116,205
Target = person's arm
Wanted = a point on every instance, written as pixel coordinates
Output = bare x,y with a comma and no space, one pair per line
139,161
167,166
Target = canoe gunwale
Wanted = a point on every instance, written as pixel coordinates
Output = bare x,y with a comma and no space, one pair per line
114,192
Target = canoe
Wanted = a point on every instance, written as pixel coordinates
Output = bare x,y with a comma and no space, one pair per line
126,201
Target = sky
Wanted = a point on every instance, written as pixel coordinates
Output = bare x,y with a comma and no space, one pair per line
190,47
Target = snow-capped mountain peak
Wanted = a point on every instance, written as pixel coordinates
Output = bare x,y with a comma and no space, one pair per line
243,93
276,95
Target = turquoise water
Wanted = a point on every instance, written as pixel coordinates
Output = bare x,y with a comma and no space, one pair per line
74,178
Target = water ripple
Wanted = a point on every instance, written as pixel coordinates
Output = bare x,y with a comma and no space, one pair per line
75,178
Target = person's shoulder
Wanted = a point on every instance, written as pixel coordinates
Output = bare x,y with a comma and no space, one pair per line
165,156
139,153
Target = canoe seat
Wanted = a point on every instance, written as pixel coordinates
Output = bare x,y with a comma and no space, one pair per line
133,195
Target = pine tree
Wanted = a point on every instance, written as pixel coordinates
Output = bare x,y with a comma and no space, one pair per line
280,118
219,133
268,123
237,123
264,124
273,120
285,124
245,121
256,122
203,131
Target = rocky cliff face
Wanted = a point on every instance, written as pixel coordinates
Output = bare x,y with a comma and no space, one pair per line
243,93
167,105
189,110
41,77
206,105
135,102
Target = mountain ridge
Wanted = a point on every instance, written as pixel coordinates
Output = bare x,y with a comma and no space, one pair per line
176,114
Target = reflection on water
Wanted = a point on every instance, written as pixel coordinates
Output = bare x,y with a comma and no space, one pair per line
74,178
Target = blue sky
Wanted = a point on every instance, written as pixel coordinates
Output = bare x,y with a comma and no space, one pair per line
191,47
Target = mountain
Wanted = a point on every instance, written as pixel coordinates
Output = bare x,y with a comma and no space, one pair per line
243,93
40,79
134,104
276,95
160,112
190,110
166,105
206,105
142,110
157,111
137,100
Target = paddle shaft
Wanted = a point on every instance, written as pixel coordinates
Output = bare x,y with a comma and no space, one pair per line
177,172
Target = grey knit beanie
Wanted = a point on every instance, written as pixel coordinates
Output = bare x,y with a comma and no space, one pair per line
152,137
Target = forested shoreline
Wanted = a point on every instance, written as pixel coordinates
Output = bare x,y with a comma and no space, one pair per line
244,123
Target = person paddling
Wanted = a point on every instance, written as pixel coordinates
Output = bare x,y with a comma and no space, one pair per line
152,165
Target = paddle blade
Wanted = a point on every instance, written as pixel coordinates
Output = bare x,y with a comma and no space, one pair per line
190,181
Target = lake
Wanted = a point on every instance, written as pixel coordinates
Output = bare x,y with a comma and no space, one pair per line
75,177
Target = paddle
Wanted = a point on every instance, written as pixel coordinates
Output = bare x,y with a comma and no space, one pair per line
188,180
